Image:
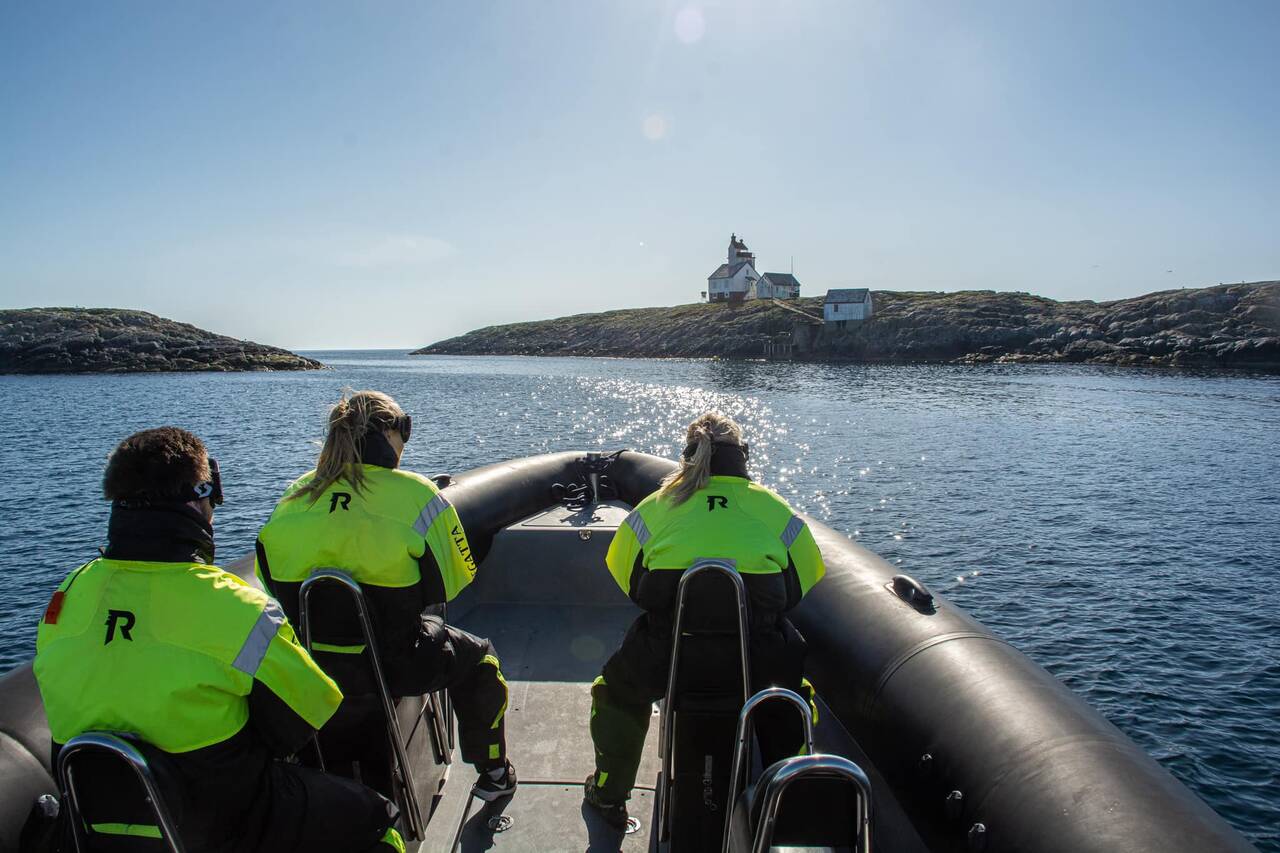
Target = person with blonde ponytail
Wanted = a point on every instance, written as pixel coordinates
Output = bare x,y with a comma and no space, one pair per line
398,535
708,508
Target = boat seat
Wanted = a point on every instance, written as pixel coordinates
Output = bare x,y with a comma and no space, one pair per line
806,802
744,744
111,794
349,745
707,685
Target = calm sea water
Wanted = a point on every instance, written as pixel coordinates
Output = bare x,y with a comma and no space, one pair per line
1120,527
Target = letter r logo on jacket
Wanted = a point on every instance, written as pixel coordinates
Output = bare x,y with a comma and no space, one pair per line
717,500
124,619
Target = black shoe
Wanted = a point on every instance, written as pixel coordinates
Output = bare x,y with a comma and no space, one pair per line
490,789
614,814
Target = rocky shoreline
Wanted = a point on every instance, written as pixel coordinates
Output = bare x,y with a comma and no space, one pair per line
110,340
1227,326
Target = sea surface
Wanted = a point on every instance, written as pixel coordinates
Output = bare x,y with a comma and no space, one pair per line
1121,527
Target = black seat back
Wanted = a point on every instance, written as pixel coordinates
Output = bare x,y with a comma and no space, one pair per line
707,687
366,740
353,743
711,657
816,813
333,618
102,775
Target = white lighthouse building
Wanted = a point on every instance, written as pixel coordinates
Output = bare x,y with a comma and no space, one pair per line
736,278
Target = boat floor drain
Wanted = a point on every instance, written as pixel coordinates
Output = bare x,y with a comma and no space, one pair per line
633,825
501,822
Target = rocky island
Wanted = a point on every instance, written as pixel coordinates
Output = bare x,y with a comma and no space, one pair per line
1235,325
110,340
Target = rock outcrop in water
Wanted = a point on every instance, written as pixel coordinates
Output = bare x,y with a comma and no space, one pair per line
1236,325
109,340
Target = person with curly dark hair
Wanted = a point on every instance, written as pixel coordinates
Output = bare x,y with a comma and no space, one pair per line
200,668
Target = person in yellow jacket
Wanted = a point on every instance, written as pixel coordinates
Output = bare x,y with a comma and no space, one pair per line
400,538
709,508
153,640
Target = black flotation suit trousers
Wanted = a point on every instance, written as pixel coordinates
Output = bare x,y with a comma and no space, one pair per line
441,657
636,677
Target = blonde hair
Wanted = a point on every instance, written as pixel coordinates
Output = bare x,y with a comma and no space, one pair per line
695,471
354,416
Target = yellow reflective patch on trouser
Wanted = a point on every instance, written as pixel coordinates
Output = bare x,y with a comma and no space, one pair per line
812,696
601,778
494,751
506,696
599,682
393,840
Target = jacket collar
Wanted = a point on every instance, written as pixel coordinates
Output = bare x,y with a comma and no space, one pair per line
729,461
377,450
159,533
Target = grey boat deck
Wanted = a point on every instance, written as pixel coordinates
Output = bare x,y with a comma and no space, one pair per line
550,655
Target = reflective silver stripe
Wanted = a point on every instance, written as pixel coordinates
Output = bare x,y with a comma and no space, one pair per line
715,561
794,528
637,525
259,639
430,513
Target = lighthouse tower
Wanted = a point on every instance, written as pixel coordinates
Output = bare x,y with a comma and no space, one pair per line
738,251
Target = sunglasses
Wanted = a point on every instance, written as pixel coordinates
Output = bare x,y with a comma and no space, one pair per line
405,425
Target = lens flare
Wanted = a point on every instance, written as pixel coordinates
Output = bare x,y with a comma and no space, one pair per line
690,26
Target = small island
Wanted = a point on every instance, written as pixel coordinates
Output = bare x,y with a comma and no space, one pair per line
1226,326
111,340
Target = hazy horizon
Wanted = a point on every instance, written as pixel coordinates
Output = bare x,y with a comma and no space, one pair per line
317,176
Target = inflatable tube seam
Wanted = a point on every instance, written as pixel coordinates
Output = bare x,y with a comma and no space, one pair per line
897,663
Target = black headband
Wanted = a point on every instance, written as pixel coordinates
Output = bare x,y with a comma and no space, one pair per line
210,488
690,449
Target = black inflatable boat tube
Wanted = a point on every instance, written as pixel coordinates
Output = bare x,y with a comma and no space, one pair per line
940,704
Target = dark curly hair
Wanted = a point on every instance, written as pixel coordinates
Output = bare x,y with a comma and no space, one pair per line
155,465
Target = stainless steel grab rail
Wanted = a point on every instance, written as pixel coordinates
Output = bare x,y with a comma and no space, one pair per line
811,766
742,744
117,746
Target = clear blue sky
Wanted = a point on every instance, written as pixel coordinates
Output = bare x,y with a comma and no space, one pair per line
387,174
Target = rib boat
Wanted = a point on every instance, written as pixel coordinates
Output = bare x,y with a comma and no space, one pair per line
963,743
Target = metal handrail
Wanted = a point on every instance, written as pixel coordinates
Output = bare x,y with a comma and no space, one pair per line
318,577
742,744
117,746
809,766
666,736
